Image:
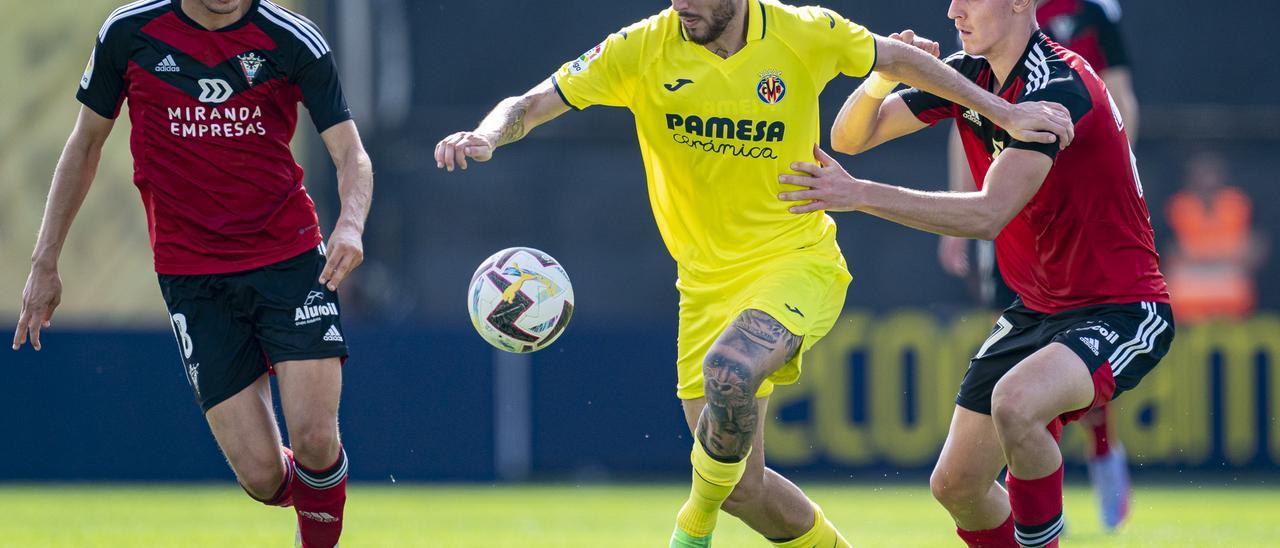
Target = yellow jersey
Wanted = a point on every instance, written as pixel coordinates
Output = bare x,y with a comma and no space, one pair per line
716,133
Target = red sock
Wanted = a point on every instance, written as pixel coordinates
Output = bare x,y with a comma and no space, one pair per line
319,497
1101,445
1000,537
1037,508
284,495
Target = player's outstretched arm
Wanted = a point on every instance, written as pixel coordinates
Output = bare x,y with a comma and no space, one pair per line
355,189
1032,122
867,118
508,122
1012,181
71,180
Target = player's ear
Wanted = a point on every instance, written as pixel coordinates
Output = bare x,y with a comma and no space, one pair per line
1021,6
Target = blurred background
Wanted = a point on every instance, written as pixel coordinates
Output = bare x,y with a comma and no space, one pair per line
427,400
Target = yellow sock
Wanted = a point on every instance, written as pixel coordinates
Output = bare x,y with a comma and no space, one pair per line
823,534
712,482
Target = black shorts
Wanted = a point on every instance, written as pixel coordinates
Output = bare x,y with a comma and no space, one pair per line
231,327
1120,343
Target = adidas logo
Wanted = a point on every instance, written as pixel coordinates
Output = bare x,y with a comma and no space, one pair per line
193,373
332,335
972,116
1092,343
322,517
168,65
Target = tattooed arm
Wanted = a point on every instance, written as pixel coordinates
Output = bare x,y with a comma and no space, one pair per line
509,122
749,351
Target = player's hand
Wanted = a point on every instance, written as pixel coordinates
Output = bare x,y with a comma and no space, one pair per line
1040,122
41,296
909,37
455,149
953,255
829,186
345,252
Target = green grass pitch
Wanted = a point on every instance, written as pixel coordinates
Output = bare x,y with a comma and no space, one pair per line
897,515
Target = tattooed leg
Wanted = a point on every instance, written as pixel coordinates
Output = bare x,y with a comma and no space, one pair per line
724,464
749,351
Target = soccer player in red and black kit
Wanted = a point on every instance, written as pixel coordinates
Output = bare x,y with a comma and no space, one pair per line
213,88
1091,29
1073,239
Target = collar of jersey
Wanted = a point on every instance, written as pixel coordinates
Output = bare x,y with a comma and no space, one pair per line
756,23
177,10
1037,36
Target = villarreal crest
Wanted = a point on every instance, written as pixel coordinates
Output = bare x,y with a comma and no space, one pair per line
771,88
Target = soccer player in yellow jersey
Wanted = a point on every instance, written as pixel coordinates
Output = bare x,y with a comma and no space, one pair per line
725,97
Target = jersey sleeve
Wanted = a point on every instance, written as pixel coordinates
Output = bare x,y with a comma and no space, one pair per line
604,75
1066,89
855,46
930,108
1110,41
846,47
102,88
321,89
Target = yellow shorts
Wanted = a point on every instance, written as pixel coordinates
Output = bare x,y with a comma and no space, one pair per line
805,292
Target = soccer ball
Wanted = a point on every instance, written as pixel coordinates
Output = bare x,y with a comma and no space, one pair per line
520,300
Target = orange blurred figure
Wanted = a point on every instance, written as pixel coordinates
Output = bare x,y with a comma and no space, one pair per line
1210,272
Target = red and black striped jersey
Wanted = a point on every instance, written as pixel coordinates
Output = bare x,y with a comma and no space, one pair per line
1090,28
1085,238
213,113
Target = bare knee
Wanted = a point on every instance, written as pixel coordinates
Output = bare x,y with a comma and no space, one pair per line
727,375
315,445
261,476
730,419
1013,410
958,488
